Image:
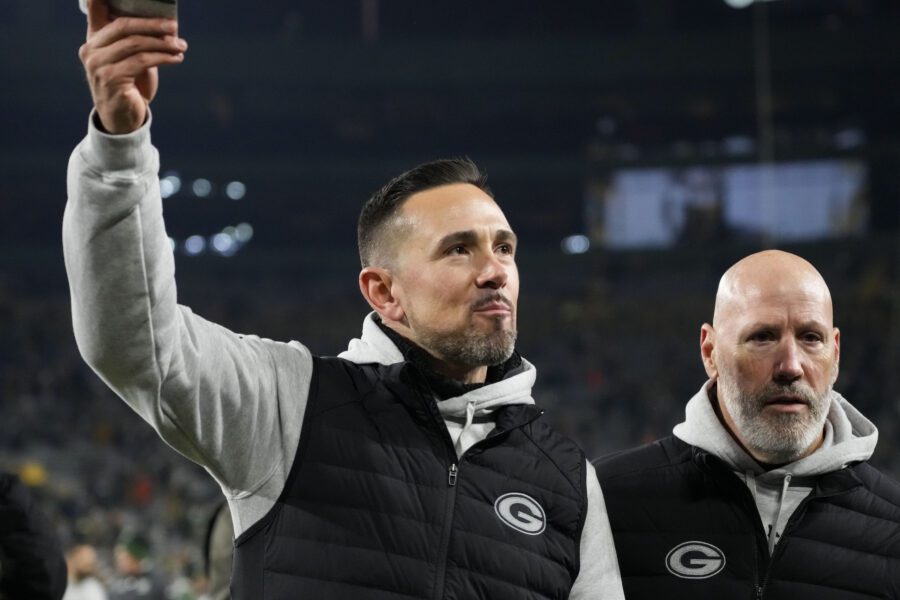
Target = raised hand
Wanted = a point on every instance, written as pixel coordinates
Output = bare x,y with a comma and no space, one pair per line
121,58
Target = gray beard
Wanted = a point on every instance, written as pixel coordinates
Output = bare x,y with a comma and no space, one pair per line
781,438
468,348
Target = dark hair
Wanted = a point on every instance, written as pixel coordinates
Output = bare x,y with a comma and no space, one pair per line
384,204
135,544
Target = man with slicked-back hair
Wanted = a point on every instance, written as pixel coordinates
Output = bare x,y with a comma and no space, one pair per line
764,491
413,465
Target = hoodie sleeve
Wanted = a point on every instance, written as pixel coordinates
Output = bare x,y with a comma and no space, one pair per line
599,577
232,403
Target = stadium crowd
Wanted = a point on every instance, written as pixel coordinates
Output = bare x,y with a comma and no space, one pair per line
614,337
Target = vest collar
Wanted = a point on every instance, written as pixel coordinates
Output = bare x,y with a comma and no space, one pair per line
442,386
829,484
408,384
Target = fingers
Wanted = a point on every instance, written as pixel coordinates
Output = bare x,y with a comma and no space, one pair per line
135,44
97,15
137,64
123,27
125,38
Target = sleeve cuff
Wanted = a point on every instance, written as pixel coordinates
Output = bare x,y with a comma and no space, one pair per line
126,152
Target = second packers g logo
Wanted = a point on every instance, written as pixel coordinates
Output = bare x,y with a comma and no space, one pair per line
521,512
695,560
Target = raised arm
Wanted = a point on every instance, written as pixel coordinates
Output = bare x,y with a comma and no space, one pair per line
229,402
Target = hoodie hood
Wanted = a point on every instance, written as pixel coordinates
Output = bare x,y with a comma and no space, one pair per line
374,346
849,437
777,493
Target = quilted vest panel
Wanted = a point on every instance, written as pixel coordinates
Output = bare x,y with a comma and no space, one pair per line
377,506
686,528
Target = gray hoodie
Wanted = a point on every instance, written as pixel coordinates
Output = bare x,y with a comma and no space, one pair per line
232,403
849,437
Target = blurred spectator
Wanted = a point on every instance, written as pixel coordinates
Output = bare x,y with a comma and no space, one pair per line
220,553
83,581
31,560
135,579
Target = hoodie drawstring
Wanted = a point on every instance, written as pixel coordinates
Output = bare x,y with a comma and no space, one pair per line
773,531
462,442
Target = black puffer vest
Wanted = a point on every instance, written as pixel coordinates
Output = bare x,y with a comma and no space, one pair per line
377,505
686,527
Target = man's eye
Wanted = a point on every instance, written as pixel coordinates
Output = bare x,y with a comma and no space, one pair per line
505,249
458,250
811,337
762,336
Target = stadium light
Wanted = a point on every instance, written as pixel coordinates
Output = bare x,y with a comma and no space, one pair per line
194,245
576,244
235,190
202,187
169,185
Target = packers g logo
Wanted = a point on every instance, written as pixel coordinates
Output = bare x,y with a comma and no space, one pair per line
521,512
695,560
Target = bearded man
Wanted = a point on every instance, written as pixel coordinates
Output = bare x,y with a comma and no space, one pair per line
415,464
764,490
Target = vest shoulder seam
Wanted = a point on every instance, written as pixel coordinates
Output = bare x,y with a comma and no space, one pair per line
642,470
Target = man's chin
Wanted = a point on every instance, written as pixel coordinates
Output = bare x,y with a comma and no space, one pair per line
490,322
787,439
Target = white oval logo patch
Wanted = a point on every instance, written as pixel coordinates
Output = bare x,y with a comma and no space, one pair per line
695,560
521,512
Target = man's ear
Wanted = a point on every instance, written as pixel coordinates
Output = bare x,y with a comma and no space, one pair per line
837,355
377,287
707,345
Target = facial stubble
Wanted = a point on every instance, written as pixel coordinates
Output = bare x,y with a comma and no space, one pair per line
782,437
469,347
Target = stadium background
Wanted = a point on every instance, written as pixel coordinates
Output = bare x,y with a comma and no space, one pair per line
631,144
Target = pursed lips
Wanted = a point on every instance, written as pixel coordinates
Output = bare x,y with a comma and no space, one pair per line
493,306
787,403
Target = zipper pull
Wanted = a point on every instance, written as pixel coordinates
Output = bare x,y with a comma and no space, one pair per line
451,477
759,592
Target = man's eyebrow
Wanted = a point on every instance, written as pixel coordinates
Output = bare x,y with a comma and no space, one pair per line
467,236
814,325
756,325
777,326
470,237
505,235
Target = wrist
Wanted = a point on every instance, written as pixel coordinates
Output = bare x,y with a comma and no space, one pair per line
122,123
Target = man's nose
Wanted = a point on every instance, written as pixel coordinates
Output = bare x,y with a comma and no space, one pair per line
493,273
789,366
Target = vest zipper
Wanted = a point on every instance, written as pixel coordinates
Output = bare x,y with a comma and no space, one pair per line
440,576
742,494
795,517
452,475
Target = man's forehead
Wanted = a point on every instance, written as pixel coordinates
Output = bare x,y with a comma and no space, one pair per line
460,206
774,303
773,281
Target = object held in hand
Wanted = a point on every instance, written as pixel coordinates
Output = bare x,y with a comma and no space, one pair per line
165,9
